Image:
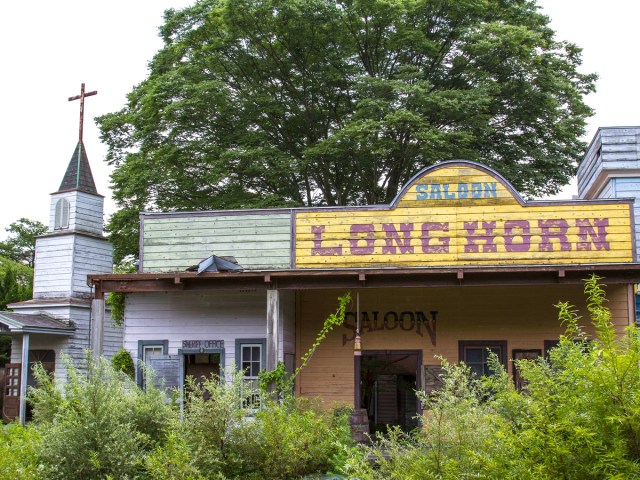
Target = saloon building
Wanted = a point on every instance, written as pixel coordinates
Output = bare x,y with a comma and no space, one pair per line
457,264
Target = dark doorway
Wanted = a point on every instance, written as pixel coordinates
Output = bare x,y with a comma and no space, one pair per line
388,380
201,366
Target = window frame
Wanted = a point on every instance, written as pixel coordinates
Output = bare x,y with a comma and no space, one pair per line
141,348
242,342
484,344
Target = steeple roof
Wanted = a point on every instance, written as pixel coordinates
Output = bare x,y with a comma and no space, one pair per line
78,175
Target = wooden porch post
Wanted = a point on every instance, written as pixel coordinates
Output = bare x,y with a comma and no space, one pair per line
273,328
24,371
97,323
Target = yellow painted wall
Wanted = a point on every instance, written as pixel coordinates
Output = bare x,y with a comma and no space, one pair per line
524,316
463,216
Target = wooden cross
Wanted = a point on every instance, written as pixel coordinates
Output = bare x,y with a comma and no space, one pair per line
81,97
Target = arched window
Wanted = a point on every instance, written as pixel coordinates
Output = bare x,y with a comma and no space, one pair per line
62,214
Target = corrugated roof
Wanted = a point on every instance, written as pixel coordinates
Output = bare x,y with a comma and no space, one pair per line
82,181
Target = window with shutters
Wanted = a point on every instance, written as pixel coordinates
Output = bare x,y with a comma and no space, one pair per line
62,214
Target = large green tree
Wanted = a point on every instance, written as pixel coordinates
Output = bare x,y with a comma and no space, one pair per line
323,102
20,246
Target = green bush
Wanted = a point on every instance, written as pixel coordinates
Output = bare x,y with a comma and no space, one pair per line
98,424
299,438
18,447
221,436
578,418
123,362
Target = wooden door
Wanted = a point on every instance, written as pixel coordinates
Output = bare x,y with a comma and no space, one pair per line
11,392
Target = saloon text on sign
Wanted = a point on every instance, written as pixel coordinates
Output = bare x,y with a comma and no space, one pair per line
450,191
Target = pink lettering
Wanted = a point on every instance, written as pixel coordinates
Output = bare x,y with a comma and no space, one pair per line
318,249
487,238
392,235
523,226
369,239
560,233
586,229
435,226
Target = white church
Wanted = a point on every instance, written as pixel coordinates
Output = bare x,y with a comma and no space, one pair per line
60,316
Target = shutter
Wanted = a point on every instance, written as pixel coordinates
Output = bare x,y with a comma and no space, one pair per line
62,214
432,378
167,370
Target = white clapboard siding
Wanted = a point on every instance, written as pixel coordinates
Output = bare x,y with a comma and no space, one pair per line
85,211
178,316
613,148
626,188
63,262
92,255
53,262
258,241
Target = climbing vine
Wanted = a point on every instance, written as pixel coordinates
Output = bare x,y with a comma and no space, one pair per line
116,300
278,380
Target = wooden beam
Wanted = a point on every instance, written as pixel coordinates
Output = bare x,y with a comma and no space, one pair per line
351,278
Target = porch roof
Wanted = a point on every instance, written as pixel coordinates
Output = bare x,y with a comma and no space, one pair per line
18,323
613,273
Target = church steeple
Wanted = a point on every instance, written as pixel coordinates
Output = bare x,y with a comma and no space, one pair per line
78,175
77,206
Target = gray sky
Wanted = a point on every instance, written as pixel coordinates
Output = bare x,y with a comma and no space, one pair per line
50,48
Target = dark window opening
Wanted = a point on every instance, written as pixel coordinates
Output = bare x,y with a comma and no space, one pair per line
475,354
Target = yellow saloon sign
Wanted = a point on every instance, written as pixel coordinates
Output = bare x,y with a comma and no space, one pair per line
462,213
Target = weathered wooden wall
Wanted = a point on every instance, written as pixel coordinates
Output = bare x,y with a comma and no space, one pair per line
179,316
85,211
257,240
64,261
612,149
524,317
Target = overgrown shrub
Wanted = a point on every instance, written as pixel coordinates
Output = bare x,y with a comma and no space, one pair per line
18,447
578,417
98,424
123,362
223,437
298,438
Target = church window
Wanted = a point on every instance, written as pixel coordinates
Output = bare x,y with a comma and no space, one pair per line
62,214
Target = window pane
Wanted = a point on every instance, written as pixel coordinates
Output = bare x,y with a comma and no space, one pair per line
255,369
473,355
246,366
477,370
496,350
246,353
152,351
255,355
